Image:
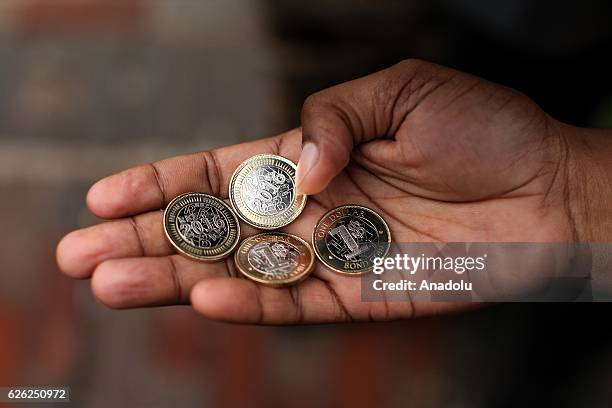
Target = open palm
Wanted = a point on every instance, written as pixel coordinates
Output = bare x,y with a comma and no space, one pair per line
441,155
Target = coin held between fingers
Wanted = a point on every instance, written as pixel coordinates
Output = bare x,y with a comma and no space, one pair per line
262,191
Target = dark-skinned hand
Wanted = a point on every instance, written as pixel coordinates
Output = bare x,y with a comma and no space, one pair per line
441,155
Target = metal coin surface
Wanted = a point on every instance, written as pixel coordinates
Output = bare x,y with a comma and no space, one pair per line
274,258
262,192
201,226
348,238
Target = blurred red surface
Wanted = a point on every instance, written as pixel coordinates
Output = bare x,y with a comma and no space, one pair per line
80,16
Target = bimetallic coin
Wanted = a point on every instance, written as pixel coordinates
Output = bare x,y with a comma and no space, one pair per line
274,258
262,192
201,226
348,238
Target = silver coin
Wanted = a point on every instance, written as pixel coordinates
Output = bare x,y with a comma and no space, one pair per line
348,238
274,258
262,191
201,226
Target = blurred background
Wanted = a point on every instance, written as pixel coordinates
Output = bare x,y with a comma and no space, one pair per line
89,87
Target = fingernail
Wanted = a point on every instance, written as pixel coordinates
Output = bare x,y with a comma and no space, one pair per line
308,159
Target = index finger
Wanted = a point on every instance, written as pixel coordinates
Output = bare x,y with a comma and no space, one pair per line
152,186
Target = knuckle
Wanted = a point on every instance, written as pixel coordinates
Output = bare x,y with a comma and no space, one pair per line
318,113
413,64
314,102
417,70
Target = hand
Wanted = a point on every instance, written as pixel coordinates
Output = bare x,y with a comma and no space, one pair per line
441,155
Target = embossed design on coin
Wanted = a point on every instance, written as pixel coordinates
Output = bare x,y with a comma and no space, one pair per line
262,191
268,190
201,226
274,258
348,238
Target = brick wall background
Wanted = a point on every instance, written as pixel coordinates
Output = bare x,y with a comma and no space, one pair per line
89,87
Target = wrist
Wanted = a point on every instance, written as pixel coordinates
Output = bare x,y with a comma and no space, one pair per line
589,183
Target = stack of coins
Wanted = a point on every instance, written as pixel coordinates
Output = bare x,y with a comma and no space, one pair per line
262,193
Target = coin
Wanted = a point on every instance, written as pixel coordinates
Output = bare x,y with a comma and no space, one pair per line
201,226
348,238
274,258
262,192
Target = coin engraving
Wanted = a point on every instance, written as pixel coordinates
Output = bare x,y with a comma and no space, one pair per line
348,238
274,258
262,191
353,239
268,190
201,226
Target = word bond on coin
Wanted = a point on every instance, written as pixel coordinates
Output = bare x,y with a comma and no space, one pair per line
201,226
274,258
348,238
263,193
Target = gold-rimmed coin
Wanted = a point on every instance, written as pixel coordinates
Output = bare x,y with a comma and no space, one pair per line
274,258
348,238
201,226
262,191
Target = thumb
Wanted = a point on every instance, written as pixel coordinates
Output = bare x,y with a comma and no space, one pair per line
337,119
327,142
333,122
